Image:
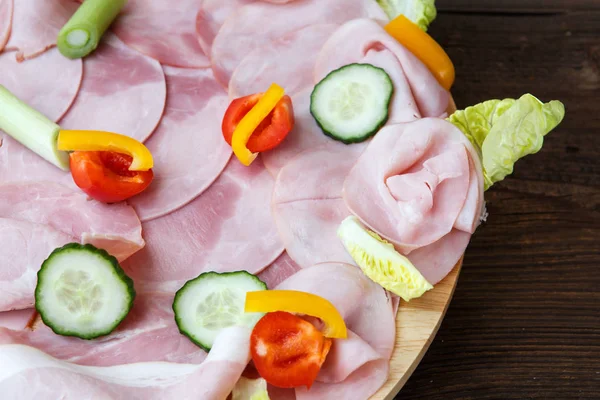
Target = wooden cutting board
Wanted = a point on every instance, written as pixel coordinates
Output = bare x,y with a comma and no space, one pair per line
417,323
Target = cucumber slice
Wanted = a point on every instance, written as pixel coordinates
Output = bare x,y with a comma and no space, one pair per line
351,103
214,301
83,292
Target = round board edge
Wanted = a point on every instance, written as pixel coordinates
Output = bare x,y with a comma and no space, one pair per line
417,323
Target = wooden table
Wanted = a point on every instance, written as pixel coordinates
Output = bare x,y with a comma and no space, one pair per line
525,319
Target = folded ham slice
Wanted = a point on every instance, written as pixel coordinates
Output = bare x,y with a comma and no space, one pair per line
29,374
149,326
307,203
16,320
162,31
281,269
115,78
6,13
289,61
239,34
228,228
38,217
48,83
353,40
210,18
412,182
188,147
36,24
356,367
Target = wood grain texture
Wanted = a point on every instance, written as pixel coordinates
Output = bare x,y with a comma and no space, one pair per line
524,322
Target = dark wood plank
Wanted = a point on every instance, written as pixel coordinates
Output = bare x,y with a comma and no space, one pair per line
525,320
516,6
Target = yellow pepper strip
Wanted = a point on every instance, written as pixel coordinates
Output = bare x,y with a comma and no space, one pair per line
300,303
250,122
424,48
107,141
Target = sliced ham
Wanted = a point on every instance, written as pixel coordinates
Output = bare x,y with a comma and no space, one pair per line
148,333
48,83
412,182
210,18
122,91
16,320
357,366
228,228
25,246
353,40
36,24
308,206
239,35
188,147
6,13
29,374
289,61
114,228
162,31
281,269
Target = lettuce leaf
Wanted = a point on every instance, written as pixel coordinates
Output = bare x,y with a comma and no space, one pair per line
421,12
504,131
250,389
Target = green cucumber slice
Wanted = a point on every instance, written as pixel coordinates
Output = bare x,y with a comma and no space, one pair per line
351,103
214,301
83,292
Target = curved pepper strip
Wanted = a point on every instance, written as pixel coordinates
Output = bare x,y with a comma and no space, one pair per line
424,48
293,301
251,121
75,140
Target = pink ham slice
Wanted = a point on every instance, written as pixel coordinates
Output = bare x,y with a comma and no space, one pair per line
281,62
149,326
25,246
352,41
307,203
29,374
16,320
122,91
412,182
36,24
278,271
357,366
239,35
114,228
211,17
228,228
48,83
6,13
162,31
188,147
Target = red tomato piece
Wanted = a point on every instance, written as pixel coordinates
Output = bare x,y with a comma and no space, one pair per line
105,175
288,351
271,131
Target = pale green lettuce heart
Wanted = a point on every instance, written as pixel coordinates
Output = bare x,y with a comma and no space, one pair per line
504,131
421,12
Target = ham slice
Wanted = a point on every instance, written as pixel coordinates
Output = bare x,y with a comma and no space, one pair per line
281,61
6,13
357,366
188,147
162,31
114,228
353,40
29,374
211,17
122,91
278,271
16,320
412,182
149,326
36,24
239,35
48,83
308,206
228,228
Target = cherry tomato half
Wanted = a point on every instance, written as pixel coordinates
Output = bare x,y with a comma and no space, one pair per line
105,175
288,351
271,131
